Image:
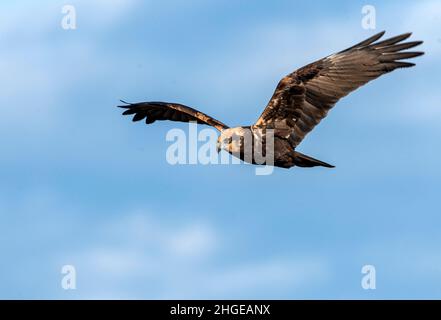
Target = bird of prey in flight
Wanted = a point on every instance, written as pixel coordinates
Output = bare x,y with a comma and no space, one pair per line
301,99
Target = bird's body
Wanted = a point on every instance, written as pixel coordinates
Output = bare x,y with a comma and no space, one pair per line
301,100
261,145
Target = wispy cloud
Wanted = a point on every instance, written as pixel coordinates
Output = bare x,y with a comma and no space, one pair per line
169,261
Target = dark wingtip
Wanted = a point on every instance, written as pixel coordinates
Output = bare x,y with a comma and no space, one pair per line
326,165
405,64
404,36
126,104
418,53
376,36
138,117
127,112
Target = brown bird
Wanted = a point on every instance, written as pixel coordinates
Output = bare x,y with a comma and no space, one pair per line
301,100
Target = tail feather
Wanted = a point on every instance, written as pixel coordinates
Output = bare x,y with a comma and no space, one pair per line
302,160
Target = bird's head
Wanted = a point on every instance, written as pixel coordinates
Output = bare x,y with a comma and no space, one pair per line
232,140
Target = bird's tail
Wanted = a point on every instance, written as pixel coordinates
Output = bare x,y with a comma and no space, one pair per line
302,160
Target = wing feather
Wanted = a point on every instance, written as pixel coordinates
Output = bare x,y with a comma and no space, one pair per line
305,96
152,111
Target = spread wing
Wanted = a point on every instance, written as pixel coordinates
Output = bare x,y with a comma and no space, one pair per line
152,111
303,98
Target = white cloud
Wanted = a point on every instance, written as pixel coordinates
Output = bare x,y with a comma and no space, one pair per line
148,258
275,274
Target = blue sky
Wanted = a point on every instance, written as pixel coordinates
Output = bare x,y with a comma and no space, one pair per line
81,185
